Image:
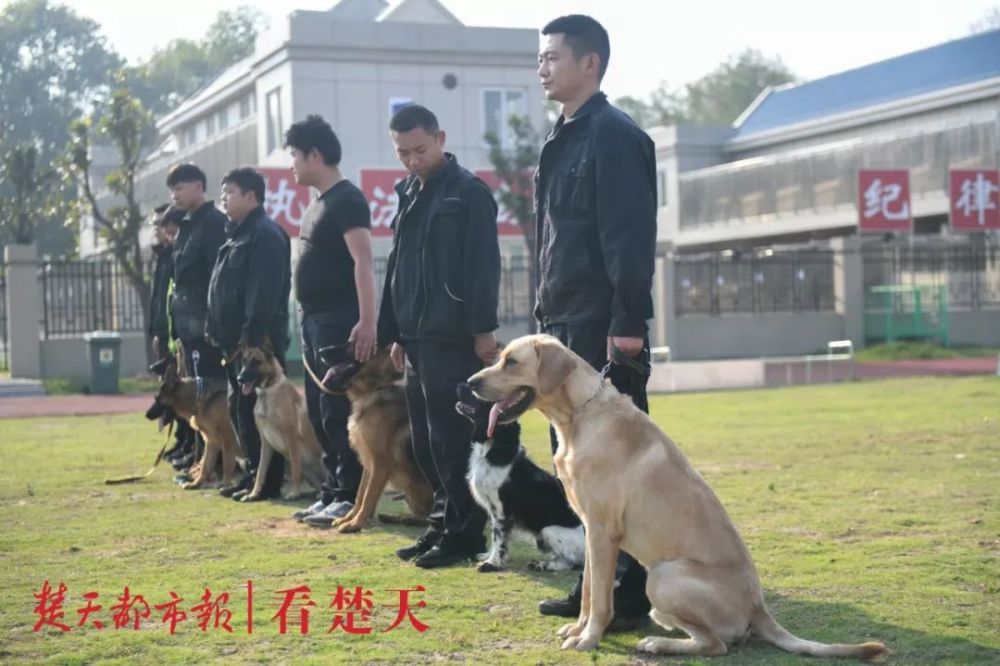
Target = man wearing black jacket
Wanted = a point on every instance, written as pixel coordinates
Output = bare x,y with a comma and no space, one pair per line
439,304
248,302
202,233
166,224
595,200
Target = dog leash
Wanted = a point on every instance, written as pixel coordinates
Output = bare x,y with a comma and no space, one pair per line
317,380
159,457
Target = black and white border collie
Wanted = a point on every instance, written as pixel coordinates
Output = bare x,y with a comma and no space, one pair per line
515,492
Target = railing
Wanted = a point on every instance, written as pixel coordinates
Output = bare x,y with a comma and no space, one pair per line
83,296
754,282
969,268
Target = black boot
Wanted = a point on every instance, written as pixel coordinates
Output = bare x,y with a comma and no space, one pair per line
426,541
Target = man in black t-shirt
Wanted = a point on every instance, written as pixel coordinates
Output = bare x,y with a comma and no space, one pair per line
335,288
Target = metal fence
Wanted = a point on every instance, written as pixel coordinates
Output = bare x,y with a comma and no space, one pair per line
83,296
754,282
968,267
4,353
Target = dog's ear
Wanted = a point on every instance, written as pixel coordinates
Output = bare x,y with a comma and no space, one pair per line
554,366
266,346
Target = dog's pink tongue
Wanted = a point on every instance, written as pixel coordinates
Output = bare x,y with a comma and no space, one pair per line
494,415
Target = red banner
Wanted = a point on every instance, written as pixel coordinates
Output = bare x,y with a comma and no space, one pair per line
974,196
285,201
884,200
378,185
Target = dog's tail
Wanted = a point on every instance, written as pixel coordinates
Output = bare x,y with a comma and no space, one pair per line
768,628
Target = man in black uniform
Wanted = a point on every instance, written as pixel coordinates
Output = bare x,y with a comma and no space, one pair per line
248,301
440,304
166,224
335,289
202,233
595,200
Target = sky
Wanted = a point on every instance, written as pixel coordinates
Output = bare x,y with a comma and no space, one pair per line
651,41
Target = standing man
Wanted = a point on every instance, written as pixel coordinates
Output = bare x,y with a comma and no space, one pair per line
202,233
335,290
595,200
248,302
166,224
439,304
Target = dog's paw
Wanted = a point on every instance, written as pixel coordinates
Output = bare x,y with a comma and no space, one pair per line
649,644
251,497
293,495
191,485
571,629
349,527
488,567
580,643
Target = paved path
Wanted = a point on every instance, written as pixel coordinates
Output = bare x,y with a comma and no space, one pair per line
81,405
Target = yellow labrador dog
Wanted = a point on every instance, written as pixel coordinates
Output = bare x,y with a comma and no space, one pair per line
634,490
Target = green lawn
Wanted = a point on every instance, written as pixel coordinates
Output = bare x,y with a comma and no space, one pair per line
872,511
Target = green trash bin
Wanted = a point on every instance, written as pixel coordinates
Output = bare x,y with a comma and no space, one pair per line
104,349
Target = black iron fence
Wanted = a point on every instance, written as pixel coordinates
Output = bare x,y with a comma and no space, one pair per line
754,281
968,267
83,296
4,353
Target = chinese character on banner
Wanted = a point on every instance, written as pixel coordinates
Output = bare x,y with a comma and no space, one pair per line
285,200
975,200
884,200
378,185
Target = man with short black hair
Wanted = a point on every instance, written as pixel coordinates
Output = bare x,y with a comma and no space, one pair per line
595,201
439,304
202,233
335,289
248,302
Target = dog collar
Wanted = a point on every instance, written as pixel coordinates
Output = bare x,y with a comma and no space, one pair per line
600,388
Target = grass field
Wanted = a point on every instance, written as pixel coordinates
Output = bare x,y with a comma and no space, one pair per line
871,510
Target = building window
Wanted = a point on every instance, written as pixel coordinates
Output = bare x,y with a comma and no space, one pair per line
246,106
661,185
275,128
190,136
498,106
223,118
210,126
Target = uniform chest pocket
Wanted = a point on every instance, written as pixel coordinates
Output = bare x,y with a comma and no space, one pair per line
573,190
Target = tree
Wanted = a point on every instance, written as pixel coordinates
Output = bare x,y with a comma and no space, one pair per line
127,126
718,98
664,107
989,21
54,66
514,167
32,187
184,66
721,96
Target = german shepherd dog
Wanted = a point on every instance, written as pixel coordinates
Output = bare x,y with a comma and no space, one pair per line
282,421
379,431
208,413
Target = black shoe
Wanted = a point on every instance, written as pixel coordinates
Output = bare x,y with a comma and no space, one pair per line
183,462
243,484
422,545
446,553
566,607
